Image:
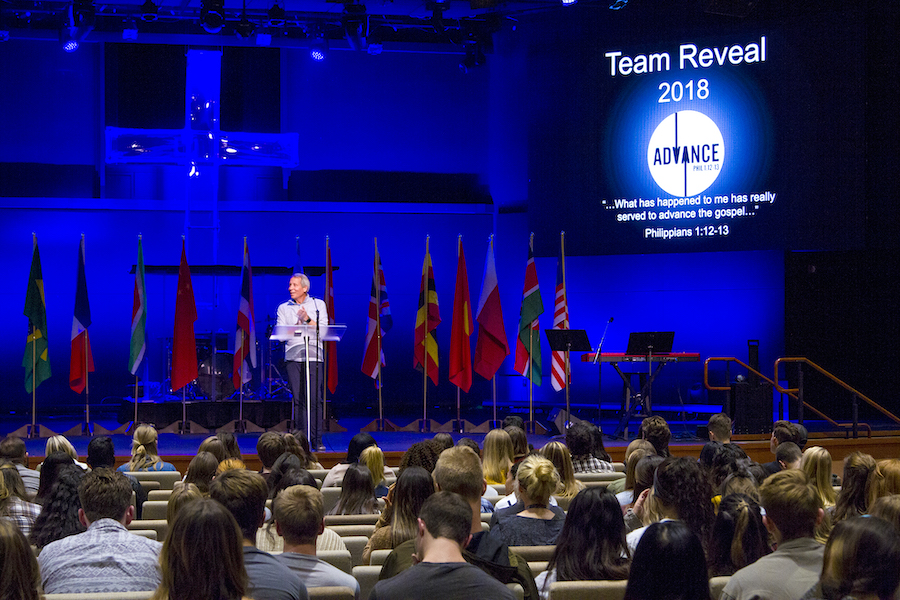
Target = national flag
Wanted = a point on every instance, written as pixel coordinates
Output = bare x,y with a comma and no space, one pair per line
184,347
331,367
245,334
491,347
82,360
428,317
380,321
138,316
35,361
528,344
560,321
461,328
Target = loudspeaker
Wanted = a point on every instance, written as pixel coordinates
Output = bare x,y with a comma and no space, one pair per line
751,407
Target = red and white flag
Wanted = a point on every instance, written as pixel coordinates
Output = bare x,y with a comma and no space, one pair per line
245,334
82,361
560,319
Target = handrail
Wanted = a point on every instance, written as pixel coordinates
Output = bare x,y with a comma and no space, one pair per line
852,390
790,392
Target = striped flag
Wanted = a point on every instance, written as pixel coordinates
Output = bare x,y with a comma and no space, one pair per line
428,317
184,347
461,329
560,319
245,334
380,321
331,368
528,343
491,347
36,361
138,316
82,360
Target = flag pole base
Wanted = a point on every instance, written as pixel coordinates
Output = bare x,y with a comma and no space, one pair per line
380,425
533,427
286,425
184,427
82,429
33,432
127,428
332,426
486,426
241,426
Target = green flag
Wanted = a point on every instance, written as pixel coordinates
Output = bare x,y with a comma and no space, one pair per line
35,361
138,316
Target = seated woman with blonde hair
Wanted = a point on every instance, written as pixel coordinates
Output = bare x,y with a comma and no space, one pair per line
531,521
558,454
498,456
59,443
144,454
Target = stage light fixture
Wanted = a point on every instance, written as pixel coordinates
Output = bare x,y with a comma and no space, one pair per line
569,2
4,35
354,22
212,15
618,4
149,11
130,31
318,48
474,57
276,16
68,39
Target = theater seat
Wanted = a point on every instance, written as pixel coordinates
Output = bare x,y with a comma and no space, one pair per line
103,596
534,553
337,558
166,479
330,593
588,590
367,576
717,584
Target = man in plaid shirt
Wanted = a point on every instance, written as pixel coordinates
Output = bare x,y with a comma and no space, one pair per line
579,439
13,505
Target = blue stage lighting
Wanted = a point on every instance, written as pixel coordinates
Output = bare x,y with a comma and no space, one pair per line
318,49
618,4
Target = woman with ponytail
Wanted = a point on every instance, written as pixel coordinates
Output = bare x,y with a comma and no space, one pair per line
738,536
531,521
144,456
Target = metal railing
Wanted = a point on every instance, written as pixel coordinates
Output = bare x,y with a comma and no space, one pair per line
793,393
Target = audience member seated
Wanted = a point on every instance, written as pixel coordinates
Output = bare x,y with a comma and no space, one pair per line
680,492
792,513
232,450
214,446
532,521
782,431
244,495
59,443
558,454
285,464
459,470
181,495
106,557
421,454
269,541
202,556
230,464
414,486
373,458
788,455
498,456
741,482
59,514
101,453
144,454
13,449
358,443
297,443
13,505
269,447
738,538
471,444
49,472
656,431
888,508
626,495
520,442
817,465
861,559
202,470
599,451
444,440
357,493
890,473
726,459
300,519
620,485
592,543
719,427
20,578
444,526
668,564
512,498
580,441
861,485
644,474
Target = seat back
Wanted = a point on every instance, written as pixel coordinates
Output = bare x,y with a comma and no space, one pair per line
350,519
338,558
589,477
154,509
367,577
619,467
355,545
588,590
517,590
379,556
717,584
330,496
331,593
537,566
348,530
102,596
166,479
159,494
533,553
161,526
150,534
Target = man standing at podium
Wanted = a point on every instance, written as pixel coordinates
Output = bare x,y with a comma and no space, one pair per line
303,309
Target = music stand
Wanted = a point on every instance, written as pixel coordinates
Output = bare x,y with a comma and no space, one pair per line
326,333
567,340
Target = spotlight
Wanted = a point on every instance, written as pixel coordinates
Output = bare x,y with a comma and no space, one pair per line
276,16
569,2
618,4
318,48
244,29
212,15
67,39
130,31
149,11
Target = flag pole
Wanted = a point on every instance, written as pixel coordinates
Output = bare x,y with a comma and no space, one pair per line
459,424
135,399
135,422
530,425
377,279
325,351
562,241
424,427
34,431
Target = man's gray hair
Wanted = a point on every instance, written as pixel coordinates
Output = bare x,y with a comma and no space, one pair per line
304,280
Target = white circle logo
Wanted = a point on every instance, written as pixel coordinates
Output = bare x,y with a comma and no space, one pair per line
686,153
